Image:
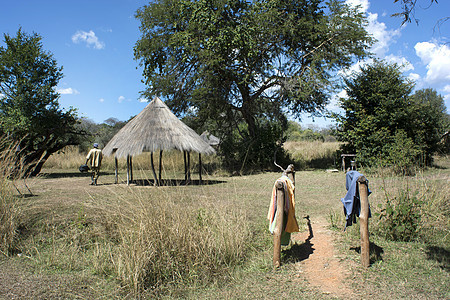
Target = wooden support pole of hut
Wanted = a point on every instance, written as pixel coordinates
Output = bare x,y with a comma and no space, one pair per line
185,167
116,170
153,170
160,167
128,169
189,167
278,226
364,220
200,168
131,168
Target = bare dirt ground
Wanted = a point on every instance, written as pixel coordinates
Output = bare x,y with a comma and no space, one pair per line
323,268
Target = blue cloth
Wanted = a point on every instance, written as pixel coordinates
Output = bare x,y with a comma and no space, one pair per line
352,205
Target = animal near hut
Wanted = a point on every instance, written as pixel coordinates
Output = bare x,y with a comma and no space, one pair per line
154,129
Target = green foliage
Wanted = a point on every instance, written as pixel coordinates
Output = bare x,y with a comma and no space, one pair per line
233,61
99,133
402,153
242,153
430,121
29,108
400,218
383,124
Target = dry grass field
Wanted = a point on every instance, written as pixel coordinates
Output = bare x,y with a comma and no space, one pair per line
211,241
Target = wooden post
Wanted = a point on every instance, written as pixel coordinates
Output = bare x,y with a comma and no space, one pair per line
200,168
364,221
278,226
128,169
116,172
343,163
189,166
185,167
131,168
290,173
153,169
160,167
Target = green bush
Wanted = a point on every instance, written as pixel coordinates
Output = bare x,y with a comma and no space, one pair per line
400,218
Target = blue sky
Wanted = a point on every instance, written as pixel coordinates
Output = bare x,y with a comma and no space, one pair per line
93,41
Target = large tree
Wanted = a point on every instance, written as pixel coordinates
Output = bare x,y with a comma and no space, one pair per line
29,110
241,64
383,124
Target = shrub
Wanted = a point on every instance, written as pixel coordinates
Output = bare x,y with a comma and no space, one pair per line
400,218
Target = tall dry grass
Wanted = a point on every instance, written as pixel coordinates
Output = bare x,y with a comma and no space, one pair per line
10,209
171,238
313,154
70,158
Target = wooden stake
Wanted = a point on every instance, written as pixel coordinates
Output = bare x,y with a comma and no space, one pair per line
116,171
200,168
278,226
131,168
128,169
185,167
290,173
153,169
160,167
189,167
364,221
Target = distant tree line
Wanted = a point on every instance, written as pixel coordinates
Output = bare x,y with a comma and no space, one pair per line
99,133
295,132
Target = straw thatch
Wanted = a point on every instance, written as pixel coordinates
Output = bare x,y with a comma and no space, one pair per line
210,139
155,128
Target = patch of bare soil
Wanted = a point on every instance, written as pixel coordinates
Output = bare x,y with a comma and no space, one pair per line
322,267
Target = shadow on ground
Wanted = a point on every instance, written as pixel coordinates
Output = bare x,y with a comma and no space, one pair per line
375,252
299,252
174,182
441,255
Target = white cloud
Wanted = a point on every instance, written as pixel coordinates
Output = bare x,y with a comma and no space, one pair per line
401,61
414,77
437,59
2,95
334,104
379,31
364,4
447,88
376,29
89,38
120,99
68,91
101,100
143,100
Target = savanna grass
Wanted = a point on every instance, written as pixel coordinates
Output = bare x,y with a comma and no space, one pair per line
171,238
313,154
71,158
10,209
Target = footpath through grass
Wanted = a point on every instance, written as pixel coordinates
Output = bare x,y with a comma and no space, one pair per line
202,242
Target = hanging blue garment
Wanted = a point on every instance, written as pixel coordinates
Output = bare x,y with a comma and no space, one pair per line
352,204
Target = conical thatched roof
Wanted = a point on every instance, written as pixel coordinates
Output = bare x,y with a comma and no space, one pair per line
210,139
155,128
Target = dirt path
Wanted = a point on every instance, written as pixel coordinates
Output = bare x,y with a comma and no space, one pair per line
322,267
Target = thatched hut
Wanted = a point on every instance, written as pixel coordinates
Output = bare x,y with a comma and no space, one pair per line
156,128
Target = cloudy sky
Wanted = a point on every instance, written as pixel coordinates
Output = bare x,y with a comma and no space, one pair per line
93,42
